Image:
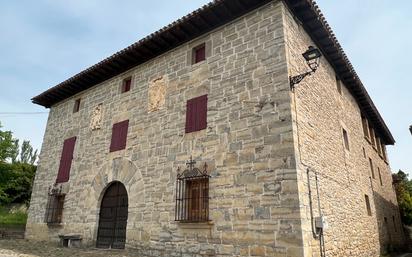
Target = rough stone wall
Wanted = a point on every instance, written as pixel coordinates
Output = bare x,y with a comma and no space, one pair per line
247,145
319,113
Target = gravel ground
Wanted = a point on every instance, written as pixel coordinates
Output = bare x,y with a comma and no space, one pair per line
24,248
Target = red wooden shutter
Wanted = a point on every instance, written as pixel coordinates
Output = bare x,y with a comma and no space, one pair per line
196,114
200,53
66,160
119,136
189,116
202,112
127,83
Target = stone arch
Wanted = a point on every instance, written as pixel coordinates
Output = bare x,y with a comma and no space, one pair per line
121,170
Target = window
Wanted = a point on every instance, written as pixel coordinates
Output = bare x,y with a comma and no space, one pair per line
339,85
345,139
119,136
379,146
126,85
380,177
66,160
54,209
394,223
196,114
384,152
364,152
76,106
371,166
372,136
368,205
192,195
365,127
199,53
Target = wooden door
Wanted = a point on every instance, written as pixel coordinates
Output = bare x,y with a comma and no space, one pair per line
113,217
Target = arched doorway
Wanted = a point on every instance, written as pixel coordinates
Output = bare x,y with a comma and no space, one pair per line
113,217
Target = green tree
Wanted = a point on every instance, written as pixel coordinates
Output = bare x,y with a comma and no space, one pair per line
7,145
16,182
27,154
403,188
15,151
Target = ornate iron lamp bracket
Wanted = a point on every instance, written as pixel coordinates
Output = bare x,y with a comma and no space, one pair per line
312,57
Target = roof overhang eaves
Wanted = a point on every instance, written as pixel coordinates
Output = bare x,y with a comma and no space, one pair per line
321,33
203,20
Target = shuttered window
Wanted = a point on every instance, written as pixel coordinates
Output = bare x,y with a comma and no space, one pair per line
126,85
196,114
119,136
66,160
199,53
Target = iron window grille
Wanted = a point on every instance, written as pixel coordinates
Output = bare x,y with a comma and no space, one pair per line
54,208
192,194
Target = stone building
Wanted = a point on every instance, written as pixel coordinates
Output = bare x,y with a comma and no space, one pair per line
192,142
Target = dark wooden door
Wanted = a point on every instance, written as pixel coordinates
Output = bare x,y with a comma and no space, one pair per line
113,217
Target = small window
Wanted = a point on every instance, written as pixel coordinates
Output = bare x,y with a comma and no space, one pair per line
380,176
365,127
345,139
54,209
379,145
126,85
192,195
364,152
199,53
394,223
339,85
119,136
371,167
196,114
76,106
384,152
368,205
372,136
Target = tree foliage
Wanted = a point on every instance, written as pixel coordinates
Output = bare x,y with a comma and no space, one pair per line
27,153
16,182
403,187
7,145
16,169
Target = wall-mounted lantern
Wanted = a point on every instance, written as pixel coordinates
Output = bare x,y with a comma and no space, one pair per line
312,57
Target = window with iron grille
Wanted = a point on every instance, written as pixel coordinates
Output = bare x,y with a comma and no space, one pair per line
54,209
192,194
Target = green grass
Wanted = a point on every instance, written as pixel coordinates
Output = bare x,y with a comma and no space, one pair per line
8,219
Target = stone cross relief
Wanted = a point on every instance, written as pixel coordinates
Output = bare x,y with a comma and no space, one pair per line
157,92
96,119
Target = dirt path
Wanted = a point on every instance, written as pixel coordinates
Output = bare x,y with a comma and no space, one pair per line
24,248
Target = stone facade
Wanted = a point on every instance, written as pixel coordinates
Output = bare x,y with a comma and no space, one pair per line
320,112
259,141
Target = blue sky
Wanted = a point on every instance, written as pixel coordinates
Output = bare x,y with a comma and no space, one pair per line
45,42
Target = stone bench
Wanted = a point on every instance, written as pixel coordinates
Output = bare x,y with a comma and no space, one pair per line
70,241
